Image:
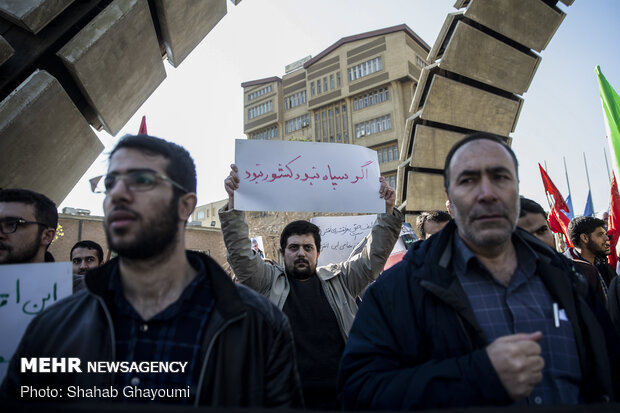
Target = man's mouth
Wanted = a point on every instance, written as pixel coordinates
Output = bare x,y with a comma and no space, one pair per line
121,218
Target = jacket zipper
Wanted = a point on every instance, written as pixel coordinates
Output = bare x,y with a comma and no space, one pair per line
206,358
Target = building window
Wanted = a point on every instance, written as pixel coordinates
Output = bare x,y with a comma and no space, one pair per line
325,84
318,87
373,126
266,134
312,89
391,180
388,154
365,69
331,81
419,61
371,98
297,99
259,110
260,92
338,83
200,215
297,123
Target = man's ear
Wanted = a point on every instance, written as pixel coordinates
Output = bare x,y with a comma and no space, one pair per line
47,236
187,204
584,238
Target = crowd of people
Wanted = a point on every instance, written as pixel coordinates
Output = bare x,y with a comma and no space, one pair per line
483,309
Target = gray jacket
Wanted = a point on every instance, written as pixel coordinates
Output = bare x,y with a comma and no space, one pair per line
341,282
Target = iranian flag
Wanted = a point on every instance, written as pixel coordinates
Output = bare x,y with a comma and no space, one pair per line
611,110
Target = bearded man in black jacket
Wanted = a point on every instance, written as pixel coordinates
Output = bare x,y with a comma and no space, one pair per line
158,302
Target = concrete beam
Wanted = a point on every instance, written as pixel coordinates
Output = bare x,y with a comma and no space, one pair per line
116,61
431,145
531,23
454,103
32,15
6,51
46,144
479,56
425,192
185,23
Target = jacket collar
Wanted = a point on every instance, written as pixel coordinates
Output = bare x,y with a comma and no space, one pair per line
227,300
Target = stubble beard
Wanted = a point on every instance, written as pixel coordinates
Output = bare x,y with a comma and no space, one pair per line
153,238
24,255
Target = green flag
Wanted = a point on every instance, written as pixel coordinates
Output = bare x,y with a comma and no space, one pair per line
611,109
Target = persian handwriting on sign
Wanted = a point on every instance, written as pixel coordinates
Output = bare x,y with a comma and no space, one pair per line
30,307
354,230
287,171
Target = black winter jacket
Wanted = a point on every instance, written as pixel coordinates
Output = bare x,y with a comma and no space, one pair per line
416,344
247,356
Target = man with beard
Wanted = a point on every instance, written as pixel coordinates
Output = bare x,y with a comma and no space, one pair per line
157,302
85,255
481,313
28,222
591,248
319,302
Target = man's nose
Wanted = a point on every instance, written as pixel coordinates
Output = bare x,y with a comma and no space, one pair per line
119,191
486,190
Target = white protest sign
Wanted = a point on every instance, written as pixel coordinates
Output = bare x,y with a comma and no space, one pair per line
306,176
339,235
25,291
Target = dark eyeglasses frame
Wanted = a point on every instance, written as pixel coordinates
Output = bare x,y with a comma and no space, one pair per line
161,177
16,222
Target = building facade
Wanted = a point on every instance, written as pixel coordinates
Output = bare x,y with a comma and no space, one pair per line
357,91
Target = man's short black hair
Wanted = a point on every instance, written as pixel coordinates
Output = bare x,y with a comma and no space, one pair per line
45,210
435,215
529,206
300,228
583,225
474,137
91,245
181,167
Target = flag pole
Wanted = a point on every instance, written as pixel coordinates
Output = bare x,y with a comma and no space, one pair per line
566,173
587,174
607,163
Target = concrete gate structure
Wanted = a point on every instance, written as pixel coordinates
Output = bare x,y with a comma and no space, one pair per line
68,65
482,62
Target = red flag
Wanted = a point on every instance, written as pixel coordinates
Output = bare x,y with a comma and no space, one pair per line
558,222
613,226
552,190
142,130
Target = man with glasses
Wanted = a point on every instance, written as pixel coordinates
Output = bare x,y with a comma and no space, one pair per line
28,223
157,302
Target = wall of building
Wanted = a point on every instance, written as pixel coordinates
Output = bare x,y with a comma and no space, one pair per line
76,228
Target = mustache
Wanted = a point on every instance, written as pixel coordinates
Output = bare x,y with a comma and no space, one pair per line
488,210
301,260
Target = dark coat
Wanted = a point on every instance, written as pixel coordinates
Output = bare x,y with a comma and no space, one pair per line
416,344
247,357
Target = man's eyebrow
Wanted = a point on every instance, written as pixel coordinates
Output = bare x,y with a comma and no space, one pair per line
493,170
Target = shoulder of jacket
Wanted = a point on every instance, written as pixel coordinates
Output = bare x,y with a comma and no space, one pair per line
258,305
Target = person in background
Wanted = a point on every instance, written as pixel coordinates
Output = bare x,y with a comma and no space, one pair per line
28,222
320,302
533,219
431,222
85,255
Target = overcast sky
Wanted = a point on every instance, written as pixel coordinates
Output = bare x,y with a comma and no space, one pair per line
200,104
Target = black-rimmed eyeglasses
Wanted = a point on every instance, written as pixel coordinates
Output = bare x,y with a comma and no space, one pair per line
142,180
9,225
